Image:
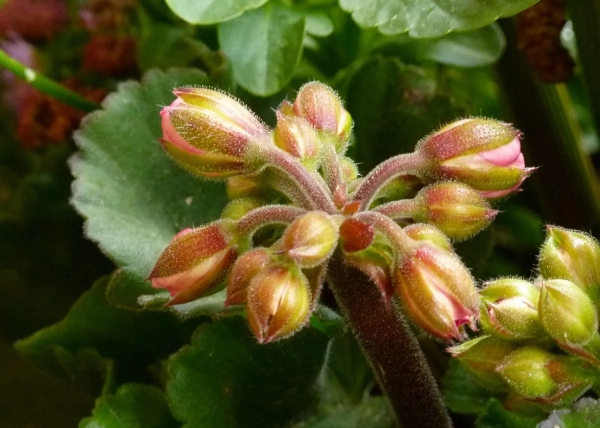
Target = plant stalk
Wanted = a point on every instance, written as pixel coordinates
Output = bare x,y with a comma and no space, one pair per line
390,347
46,85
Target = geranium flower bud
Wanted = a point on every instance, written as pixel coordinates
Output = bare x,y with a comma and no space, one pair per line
356,235
241,186
567,313
437,291
430,234
297,137
193,263
310,239
526,371
245,268
458,210
207,132
323,109
509,309
571,255
482,356
278,303
483,153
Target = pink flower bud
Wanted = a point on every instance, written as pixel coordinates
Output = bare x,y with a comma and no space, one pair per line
437,291
193,263
278,303
322,108
207,132
245,268
297,137
483,153
310,239
455,208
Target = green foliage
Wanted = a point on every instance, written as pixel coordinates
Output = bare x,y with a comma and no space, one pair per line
226,379
496,416
132,406
134,198
584,414
462,392
430,18
264,47
212,11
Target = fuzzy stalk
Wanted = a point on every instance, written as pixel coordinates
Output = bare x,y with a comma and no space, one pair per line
333,175
381,175
390,347
263,216
311,188
404,208
46,85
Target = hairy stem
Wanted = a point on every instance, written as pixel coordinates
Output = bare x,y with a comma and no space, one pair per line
263,216
333,175
381,175
46,85
390,347
404,208
312,187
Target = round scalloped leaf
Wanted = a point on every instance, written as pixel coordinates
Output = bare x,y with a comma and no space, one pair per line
430,18
226,379
211,11
133,196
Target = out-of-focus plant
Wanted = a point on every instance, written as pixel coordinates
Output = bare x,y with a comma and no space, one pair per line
351,235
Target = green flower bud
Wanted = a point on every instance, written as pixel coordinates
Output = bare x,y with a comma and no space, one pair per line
310,239
571,255
509,309
239,207
567,313
526,371
430,234
482,356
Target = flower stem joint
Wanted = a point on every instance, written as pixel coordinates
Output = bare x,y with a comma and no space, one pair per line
273,258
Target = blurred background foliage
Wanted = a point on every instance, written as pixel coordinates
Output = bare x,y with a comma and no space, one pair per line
400,81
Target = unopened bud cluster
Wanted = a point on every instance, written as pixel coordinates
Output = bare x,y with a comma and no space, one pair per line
541,341
395,225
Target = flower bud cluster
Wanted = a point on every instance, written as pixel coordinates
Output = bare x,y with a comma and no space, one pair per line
541,339
297,201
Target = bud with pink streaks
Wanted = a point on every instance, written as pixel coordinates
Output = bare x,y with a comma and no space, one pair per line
437,291
322,108
194,262
278,302
296,136
483,153
310,239
208,132
245,268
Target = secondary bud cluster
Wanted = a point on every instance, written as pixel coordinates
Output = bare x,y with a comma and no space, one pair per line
297,201
542,342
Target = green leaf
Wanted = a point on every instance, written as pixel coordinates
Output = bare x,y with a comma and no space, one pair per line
133,406
470,49
462,393
585,413
430,18
128,337
318,24
135,198
374,412
226,379
393,105
264,47
496,416
211,11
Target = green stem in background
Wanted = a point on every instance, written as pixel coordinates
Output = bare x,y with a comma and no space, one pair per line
566,184
390,347
585,16
46,85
